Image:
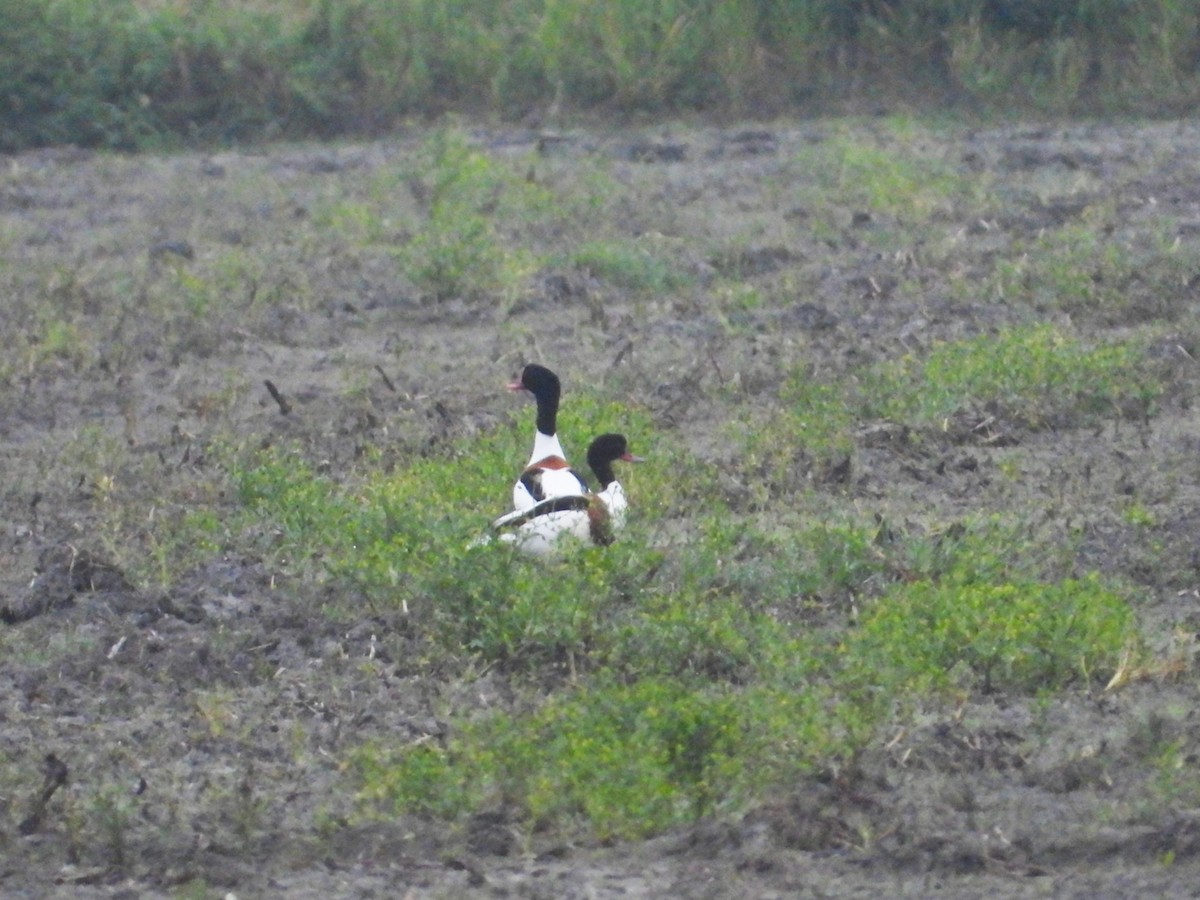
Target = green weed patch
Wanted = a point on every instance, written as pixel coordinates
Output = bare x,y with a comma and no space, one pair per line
871,176
1090,270
1022,635
458,249
628,266
693,681
812,430
1035,375
621,760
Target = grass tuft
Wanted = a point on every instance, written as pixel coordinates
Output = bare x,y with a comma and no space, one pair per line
1018,636
1034,375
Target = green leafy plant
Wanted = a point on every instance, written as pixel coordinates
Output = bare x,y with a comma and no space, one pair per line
1018,635
458,250
633,267
870,176
626,760
1091,270
689,681
811,431
1036,375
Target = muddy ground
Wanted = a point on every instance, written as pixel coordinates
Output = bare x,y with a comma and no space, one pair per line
185,738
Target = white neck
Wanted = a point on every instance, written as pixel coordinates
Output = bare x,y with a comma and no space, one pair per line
614,498
546,445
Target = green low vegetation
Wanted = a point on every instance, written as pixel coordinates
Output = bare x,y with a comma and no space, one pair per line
996,635
623,760
138,73
458,250
1089,268
628,266
686,678
914,187
1036,375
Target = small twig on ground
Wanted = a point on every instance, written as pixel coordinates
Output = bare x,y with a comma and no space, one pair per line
284,406
56,777
387,381
626,348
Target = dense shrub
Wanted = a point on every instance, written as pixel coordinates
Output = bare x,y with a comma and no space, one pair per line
128,73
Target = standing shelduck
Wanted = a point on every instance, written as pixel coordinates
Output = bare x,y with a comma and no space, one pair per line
547,474
592,517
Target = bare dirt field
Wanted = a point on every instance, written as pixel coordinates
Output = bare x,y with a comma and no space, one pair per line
180,730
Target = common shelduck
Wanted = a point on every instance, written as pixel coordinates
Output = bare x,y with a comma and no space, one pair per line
547,474
592,517
602,453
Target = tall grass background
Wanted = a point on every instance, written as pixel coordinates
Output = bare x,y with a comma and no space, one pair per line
133,74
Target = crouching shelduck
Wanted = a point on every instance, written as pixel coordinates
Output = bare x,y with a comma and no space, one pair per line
547,474
592,517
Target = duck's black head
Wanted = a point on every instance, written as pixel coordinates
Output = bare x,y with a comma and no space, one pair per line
603,452
538,380
546,389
